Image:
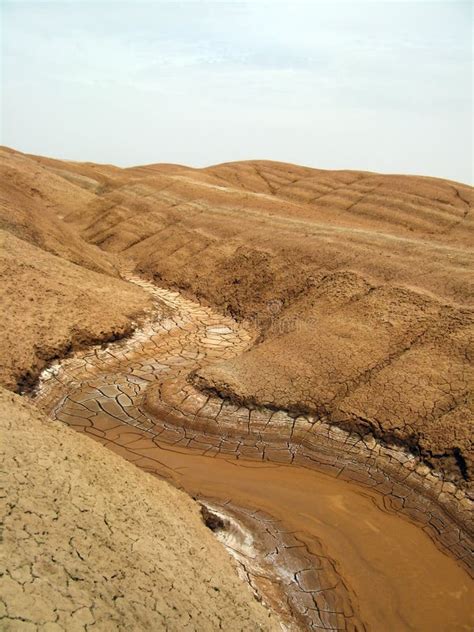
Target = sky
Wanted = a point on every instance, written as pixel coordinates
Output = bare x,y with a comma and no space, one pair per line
371,85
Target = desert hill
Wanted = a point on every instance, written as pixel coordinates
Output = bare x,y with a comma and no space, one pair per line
360,285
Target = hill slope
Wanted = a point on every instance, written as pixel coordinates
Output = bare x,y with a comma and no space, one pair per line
359,283
95,543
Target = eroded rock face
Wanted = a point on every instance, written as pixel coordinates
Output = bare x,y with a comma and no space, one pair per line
382,359
94,543
360,283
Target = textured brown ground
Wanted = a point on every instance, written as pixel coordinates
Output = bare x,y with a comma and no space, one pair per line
94,543
51,306
360,284
57,292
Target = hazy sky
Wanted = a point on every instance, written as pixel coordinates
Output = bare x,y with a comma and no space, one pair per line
383,86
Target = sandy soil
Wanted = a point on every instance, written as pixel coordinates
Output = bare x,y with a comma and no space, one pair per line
94,543
57,292
32,200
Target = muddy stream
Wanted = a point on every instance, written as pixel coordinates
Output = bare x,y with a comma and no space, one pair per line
330,529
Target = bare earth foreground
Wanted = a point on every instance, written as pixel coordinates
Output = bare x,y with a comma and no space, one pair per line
290,346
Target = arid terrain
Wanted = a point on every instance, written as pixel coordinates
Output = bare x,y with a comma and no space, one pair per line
291,347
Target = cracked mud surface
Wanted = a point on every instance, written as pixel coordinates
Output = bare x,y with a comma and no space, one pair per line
93,543
287,479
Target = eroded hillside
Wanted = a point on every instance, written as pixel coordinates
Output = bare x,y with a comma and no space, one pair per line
360,285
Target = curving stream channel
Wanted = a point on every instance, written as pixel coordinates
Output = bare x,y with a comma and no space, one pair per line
330,529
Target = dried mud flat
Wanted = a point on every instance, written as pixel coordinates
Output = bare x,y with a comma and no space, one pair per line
295,354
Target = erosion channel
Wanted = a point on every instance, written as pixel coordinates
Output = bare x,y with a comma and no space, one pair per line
332,530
